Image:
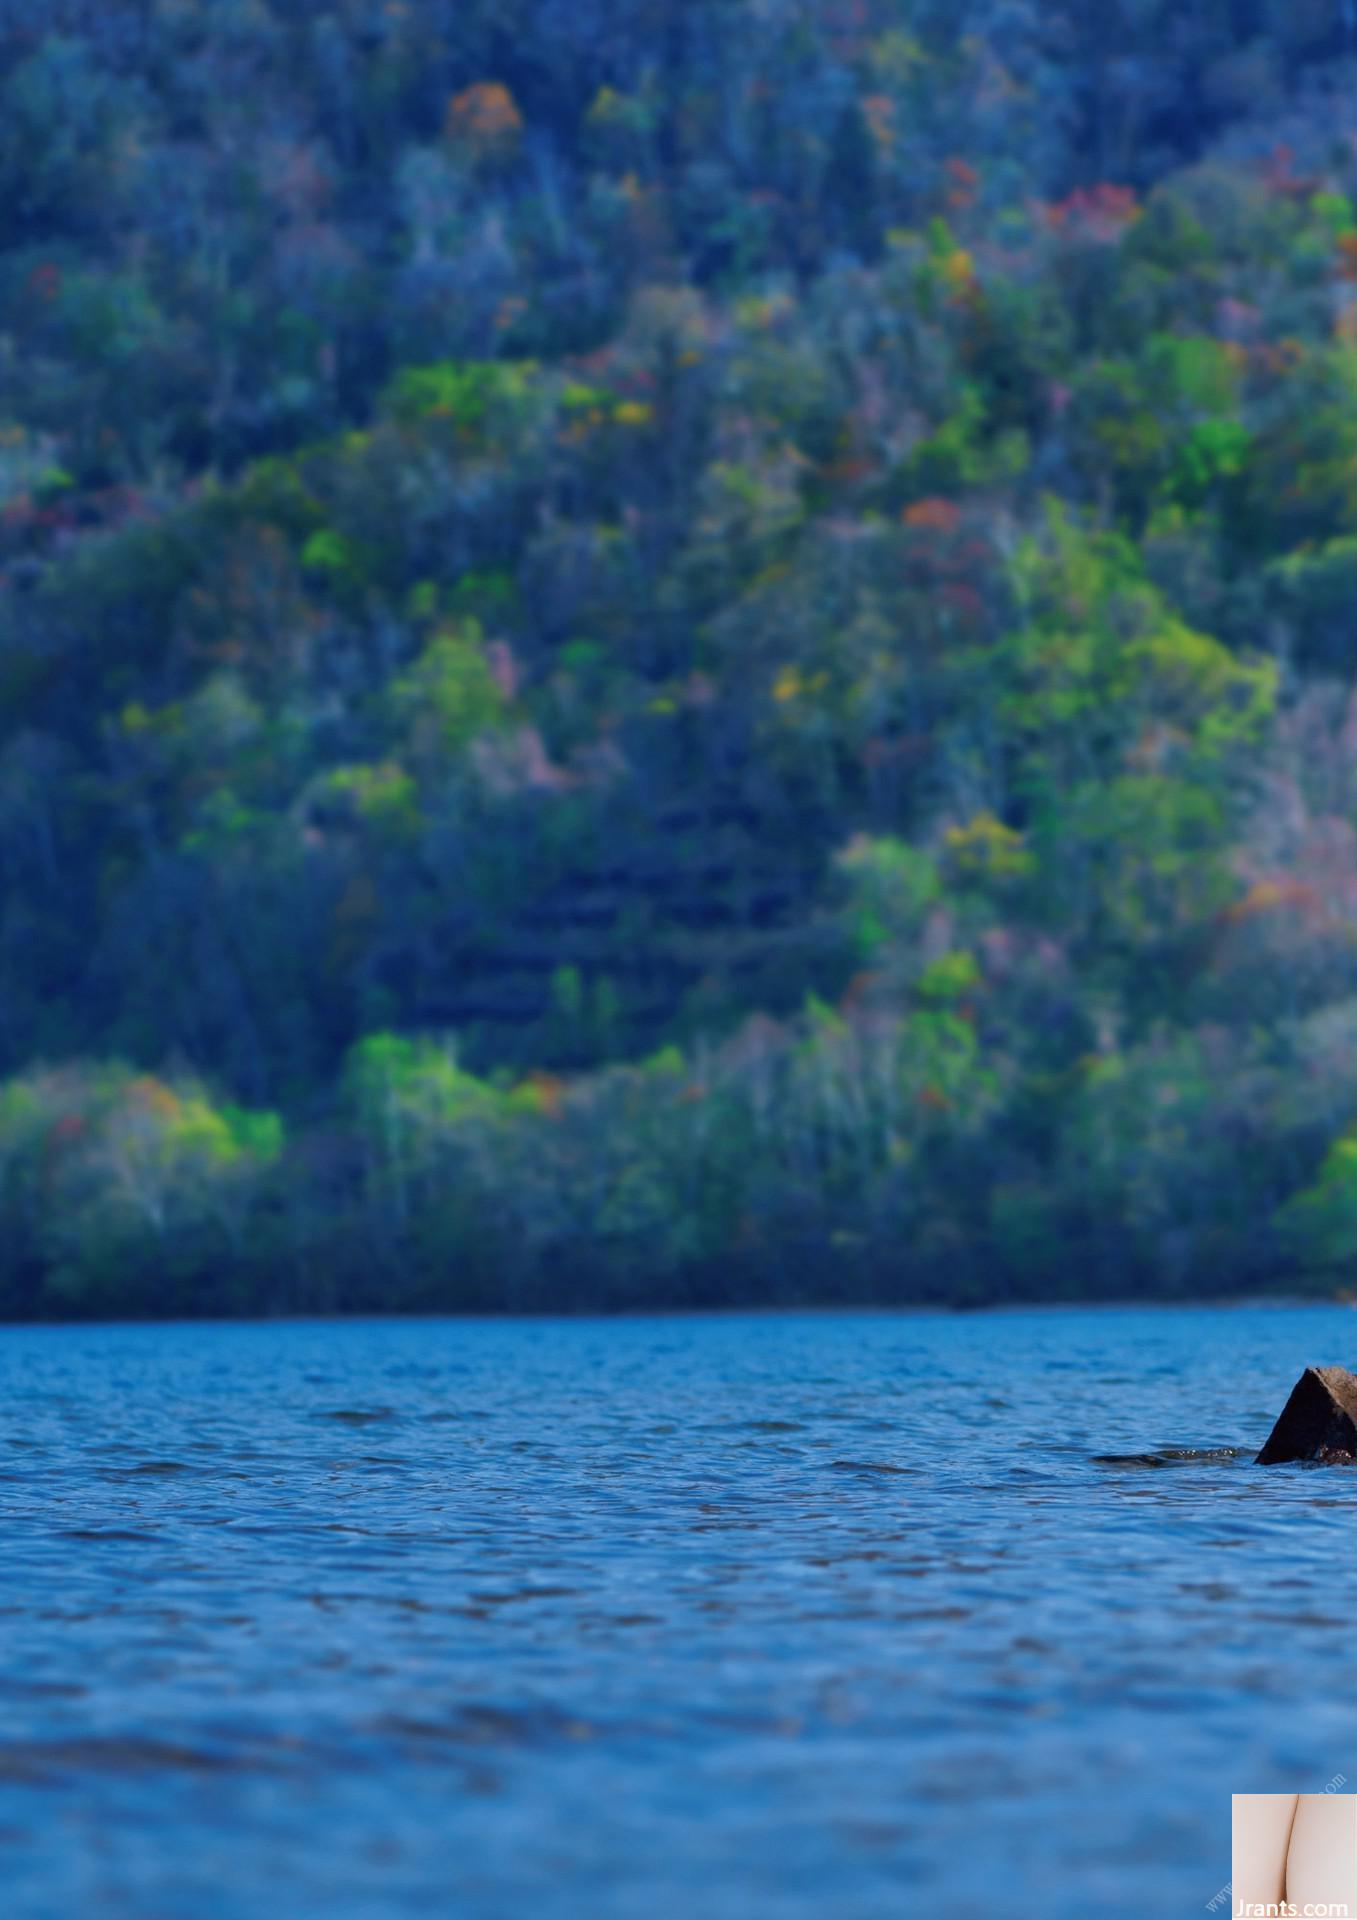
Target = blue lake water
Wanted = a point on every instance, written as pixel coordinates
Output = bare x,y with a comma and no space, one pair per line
798,1616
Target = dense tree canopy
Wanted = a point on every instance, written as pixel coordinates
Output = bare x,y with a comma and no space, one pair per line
675,651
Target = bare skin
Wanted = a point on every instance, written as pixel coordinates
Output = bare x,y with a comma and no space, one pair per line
1262,1833
1300,1848
1321,1860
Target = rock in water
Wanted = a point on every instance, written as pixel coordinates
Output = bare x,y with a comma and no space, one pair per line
1318,1422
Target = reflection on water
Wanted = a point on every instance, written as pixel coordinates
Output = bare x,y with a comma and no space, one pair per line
781,1616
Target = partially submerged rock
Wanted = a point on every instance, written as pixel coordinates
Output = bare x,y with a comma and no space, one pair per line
1318,1422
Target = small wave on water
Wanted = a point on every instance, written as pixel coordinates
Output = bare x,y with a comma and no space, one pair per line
1176,1457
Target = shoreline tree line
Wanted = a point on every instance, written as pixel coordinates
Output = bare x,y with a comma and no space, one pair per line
662,655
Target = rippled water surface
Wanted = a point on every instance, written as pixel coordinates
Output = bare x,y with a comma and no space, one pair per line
809,1616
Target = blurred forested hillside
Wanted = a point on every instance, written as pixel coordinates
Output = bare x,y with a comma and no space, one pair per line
675,651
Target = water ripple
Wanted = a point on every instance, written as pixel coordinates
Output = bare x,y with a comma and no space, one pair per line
752,1615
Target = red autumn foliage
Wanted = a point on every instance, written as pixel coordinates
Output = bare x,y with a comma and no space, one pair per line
1100,213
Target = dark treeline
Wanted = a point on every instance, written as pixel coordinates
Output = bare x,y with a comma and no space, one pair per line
675,651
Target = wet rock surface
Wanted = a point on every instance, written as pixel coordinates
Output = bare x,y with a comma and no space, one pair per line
1318,1422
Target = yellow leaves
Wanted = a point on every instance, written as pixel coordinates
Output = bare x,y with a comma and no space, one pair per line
584,421
958,275
127,1161
618,124
381,793
988,849
949,976
949,265
791,684
203,1133
483,398
171,1124
607,108
1198,682
896,56
1100,639
416,1090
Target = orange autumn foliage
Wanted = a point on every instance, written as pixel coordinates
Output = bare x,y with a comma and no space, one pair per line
485,118
1268,896
935,513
